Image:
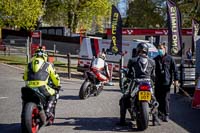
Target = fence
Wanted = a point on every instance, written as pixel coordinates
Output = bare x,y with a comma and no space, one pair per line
69,58
187,76
18,47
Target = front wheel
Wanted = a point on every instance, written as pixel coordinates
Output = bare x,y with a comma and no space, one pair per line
31,117
85,90
143,116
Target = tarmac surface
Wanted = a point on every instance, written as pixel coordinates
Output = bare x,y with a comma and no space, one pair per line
93,115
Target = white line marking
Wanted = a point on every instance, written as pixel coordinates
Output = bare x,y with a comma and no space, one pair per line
3,97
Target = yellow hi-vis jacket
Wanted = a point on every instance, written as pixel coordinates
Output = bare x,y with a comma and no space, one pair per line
37,74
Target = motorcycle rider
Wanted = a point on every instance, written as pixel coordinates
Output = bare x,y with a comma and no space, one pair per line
141,67
39,73
100,68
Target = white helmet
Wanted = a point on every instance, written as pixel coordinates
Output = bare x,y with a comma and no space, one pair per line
102,56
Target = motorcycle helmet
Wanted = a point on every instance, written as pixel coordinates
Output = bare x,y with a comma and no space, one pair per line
102,56
142,47
40,53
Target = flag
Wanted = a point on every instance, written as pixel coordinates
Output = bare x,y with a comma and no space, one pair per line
195,32
174,28
116,23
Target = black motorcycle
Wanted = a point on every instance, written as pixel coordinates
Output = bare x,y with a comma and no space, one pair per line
142,103
33,115
91,86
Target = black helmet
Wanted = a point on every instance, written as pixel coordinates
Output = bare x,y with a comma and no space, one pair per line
142,47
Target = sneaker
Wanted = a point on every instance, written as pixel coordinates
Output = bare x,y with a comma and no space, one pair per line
166,118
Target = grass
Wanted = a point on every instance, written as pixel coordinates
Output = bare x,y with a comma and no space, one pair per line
21,61
13,59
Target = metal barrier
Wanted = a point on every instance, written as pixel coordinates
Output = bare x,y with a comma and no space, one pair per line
16,47
187,76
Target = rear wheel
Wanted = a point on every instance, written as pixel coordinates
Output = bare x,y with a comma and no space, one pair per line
143,116
32,117
85,90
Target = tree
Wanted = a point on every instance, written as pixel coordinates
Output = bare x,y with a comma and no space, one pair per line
151,13
145,13
77,14
190,9
20,13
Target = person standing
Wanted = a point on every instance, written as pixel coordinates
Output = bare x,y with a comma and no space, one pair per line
38,73
189,57
166,71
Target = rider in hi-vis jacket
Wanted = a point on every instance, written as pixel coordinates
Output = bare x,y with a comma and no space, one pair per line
38,73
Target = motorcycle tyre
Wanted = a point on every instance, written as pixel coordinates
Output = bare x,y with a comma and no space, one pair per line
23,124
143,118
29,108
84,90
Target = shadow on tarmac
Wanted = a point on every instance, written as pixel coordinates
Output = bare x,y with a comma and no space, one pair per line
10,128
69,97
182,113
97,124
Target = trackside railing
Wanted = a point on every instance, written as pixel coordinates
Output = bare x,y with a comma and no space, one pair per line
70,57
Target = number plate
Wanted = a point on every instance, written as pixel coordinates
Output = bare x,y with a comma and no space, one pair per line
145,95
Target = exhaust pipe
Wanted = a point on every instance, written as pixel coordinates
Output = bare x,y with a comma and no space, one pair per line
155,104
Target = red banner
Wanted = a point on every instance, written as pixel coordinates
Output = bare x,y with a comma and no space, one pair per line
151,32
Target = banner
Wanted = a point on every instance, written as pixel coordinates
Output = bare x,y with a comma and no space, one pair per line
195,32
174,28
116,23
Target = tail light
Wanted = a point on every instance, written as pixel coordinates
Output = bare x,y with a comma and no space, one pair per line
144,87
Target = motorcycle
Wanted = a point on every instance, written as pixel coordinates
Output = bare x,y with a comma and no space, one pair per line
142,101
91,86
33,115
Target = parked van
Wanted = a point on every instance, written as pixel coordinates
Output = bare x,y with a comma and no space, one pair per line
90,47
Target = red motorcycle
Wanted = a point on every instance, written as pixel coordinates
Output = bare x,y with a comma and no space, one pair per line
91,86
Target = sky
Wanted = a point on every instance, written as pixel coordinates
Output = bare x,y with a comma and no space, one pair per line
122,7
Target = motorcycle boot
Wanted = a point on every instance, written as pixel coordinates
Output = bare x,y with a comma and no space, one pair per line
154,111
155,120
123,109
50,106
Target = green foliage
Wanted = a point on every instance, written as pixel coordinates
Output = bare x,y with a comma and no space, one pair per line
77,14
145,13
152,13
20,13
190,9
93,12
